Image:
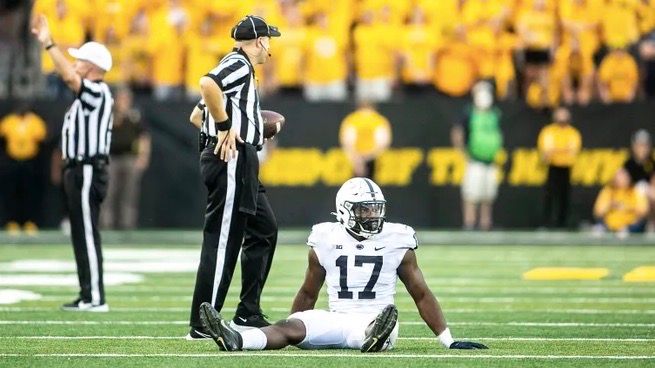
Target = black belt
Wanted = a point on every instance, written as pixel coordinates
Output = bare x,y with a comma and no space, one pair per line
208,141
96,161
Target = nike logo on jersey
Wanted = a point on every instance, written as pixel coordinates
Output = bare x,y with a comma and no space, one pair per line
376,248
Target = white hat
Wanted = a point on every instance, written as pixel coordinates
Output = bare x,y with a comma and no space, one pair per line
95,53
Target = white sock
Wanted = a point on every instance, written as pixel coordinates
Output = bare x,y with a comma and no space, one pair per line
446,338
253,339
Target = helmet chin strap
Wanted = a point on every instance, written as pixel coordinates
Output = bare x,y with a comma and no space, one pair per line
265,49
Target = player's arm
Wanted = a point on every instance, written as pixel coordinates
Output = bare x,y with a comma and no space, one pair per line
62,65
428,306
308,294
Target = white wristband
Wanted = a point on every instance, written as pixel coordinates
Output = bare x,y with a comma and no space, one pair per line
446,338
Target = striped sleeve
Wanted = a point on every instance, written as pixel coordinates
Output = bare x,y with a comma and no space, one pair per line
90,94
230,74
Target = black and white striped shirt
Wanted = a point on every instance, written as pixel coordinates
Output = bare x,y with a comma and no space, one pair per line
87,124
235,76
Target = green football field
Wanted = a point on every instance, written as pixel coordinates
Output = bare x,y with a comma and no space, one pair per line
586,323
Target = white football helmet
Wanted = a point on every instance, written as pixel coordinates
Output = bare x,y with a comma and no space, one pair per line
361,207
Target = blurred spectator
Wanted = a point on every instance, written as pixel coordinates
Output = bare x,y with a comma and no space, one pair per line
647,54
559,144
289,59
168,26
67,24
620,23
505,71
203,52
641,164
480,138
130,157
160,42
573,75
536,27
483,22
325,62
113,43
641,168
23,132
456,68
580,25
441,26
418,48
396,11
364,135
574,59
136,57
225,14
375,44
111,29
620,207
618,77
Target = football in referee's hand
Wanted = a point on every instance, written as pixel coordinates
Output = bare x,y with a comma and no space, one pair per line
273,123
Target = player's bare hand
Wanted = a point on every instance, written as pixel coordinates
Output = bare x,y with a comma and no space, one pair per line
41,30
227,147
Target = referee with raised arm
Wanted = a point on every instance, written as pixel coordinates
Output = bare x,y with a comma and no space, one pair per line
85,141
238,215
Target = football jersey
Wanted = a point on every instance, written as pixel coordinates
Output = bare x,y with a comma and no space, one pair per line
361,275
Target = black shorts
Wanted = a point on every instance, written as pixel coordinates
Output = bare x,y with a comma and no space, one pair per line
537,56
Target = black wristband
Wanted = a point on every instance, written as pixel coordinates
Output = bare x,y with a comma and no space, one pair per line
51,45
224,125
201,106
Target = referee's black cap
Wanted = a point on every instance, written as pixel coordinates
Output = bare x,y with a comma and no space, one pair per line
252,27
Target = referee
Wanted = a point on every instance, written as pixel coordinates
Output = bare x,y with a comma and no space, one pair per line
238,215
86,137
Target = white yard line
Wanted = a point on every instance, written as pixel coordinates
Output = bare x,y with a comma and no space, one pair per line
413,311
400,338
449,289
446,299
337,355
511,323
540,324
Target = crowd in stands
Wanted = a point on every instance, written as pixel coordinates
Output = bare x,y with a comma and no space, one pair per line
546,51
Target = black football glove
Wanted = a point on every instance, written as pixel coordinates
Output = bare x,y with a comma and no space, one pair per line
467,345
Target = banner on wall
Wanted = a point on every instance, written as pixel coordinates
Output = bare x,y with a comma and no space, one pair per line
420,174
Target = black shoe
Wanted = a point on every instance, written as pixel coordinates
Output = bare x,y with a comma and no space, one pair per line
377,335
197,334
241,323
225,337
79,305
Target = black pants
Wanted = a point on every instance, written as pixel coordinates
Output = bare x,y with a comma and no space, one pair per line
86,187
557,193
24,191
228,231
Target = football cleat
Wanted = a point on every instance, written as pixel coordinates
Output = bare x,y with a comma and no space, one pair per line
197,334
223,335
378,334
240,323
79,305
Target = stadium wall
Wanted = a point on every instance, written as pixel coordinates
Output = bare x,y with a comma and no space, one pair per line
420,174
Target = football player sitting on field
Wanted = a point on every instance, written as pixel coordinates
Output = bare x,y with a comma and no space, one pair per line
360,257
